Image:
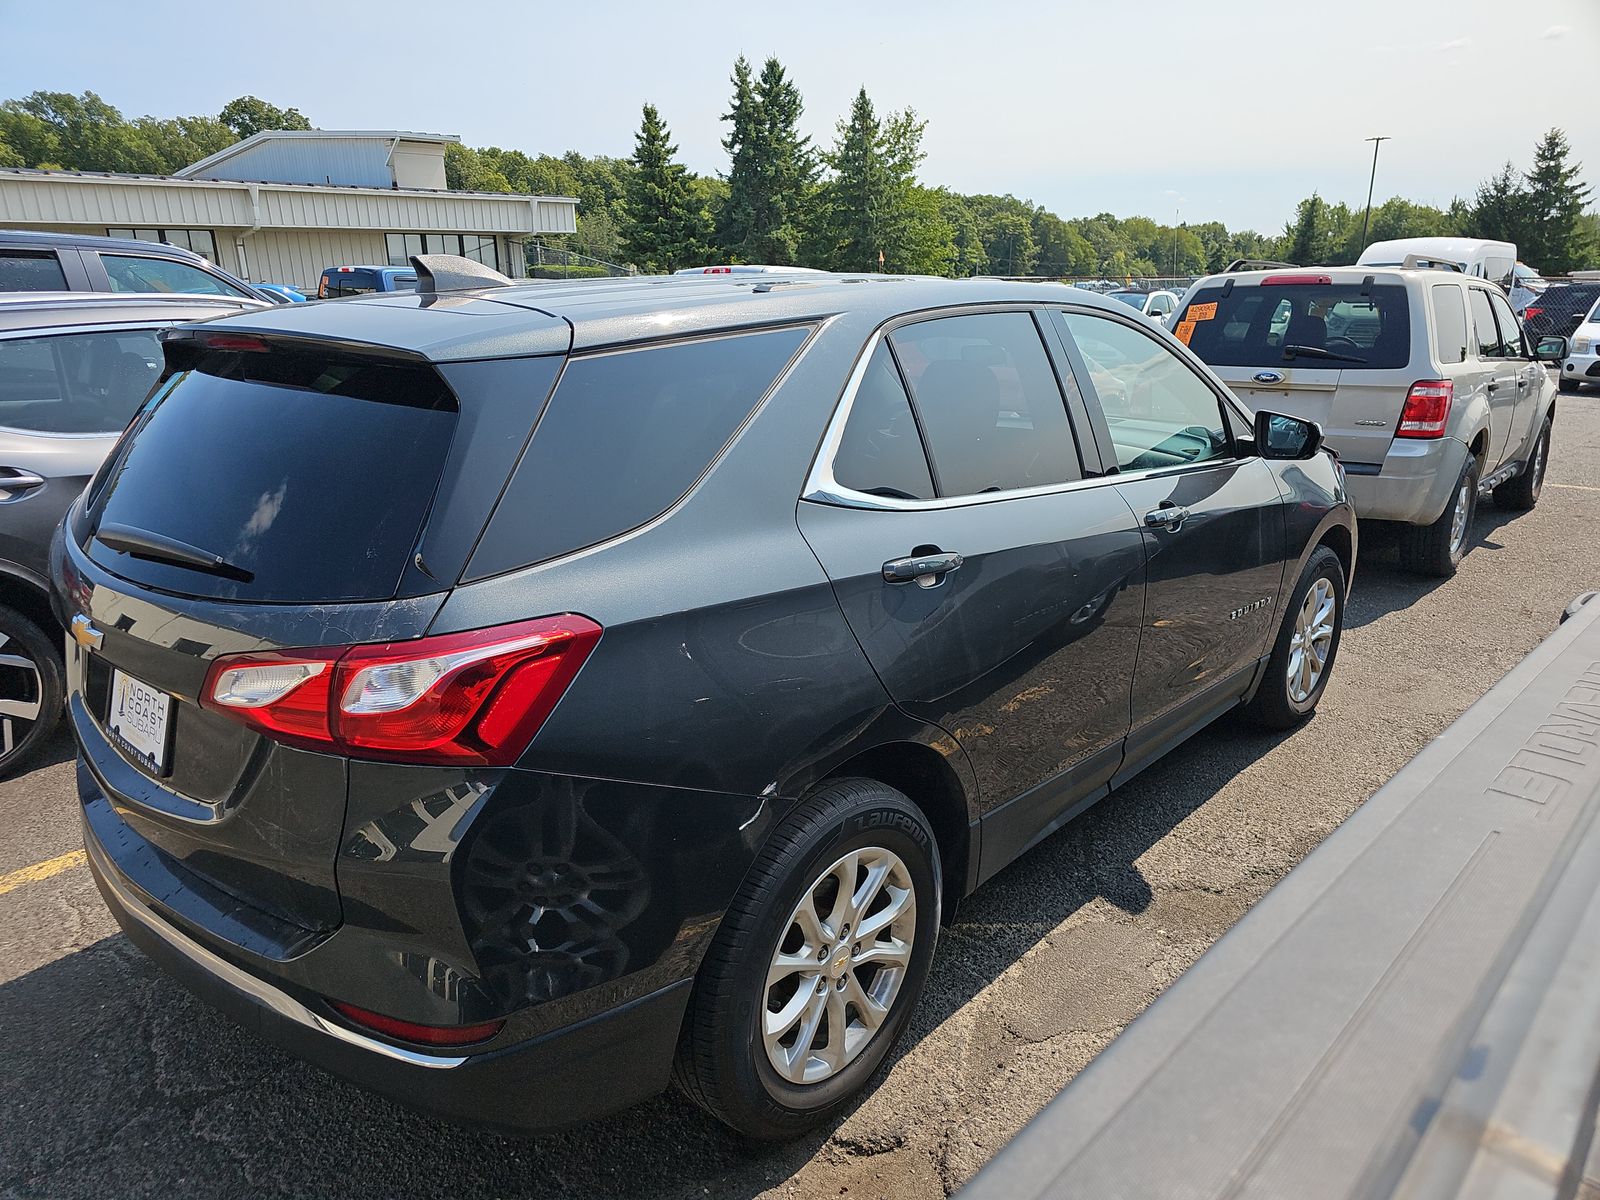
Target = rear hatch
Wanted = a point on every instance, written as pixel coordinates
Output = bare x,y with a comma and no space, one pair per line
1338,354
273,493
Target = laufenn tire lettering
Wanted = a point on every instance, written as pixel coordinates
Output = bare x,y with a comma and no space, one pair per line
890,819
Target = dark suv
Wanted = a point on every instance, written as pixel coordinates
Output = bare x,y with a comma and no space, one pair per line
34,261
510,697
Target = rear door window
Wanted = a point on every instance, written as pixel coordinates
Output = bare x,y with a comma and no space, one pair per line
1450,319
1159,412
1510,329
31,271
1347,326
1485,335
880,452
76,383
625,435
310,476
990,407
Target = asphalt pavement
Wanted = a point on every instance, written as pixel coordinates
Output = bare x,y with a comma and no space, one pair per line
116,1083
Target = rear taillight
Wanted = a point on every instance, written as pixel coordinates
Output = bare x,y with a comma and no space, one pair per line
1531,312
473,698
410,1031
1427,409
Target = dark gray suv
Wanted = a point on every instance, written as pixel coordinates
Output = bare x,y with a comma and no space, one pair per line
515,696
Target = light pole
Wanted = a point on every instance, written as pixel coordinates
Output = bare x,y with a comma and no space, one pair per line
1376,142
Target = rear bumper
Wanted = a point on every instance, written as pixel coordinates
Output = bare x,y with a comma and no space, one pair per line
568,1075
1414,483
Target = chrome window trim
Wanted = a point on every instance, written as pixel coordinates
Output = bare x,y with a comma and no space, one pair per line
822,487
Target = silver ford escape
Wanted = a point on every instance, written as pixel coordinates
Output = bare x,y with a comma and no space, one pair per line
1423,381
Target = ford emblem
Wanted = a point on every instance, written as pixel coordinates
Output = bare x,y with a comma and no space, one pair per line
1268,377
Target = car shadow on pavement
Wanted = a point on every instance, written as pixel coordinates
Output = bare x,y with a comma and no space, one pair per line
122,1082
1384,586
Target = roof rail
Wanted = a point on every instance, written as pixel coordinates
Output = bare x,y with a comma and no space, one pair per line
452,273
1254,264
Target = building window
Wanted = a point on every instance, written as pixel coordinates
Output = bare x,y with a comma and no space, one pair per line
202,241
478,247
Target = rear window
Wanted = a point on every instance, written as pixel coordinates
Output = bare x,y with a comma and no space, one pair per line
75,383
28,271
1345,326
625,435
310,477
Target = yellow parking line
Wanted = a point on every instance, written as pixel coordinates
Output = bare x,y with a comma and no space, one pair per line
40,871
1577,487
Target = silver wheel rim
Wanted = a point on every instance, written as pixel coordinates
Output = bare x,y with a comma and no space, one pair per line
839,965
1312,641
20,693
1458,519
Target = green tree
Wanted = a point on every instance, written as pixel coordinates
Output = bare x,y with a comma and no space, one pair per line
965,240
177,142
248,115
30,137
1500,208
665,225
772,168
465,170
88,133
872,212
1319,233
1555,237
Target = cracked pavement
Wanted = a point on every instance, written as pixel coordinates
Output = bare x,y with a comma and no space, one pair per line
118,1082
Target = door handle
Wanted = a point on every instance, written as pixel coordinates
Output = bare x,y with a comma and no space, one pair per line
1169,517
925,570
1494,385
14,481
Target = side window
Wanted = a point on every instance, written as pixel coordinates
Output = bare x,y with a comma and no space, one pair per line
623,437
78,382
29,271
1484,334
990,406
1450,322
1510,329
1160,413
132,273
880,452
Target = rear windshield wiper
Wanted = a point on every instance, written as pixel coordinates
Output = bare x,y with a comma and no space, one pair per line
157,547
1290,352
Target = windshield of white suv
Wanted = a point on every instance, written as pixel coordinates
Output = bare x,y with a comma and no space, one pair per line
1134,298
1348,326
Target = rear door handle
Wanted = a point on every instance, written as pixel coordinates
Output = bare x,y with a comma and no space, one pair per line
1169,517
14,481
1494,385
925,570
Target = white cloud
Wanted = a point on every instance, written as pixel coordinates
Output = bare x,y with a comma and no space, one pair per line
1456,44
1555,33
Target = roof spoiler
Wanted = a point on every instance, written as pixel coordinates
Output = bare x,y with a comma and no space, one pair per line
452,273
1254,264
1412,262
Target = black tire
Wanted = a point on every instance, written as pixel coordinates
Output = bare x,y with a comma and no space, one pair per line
42,684
1522,493
1432,549
723,1063
1274,706
1568,385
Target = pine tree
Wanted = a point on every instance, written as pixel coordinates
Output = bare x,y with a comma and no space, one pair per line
874,216
1500,208
773,168
664,226
1555,238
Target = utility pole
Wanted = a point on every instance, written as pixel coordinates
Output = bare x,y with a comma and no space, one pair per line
1376,142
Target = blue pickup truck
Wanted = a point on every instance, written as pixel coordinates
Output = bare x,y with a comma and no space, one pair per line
358,281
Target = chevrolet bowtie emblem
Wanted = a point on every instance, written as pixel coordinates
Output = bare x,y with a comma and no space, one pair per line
84,633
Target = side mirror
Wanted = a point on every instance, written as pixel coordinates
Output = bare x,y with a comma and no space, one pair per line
1280,436
1551,349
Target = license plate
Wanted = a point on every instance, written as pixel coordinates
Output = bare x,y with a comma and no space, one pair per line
138,719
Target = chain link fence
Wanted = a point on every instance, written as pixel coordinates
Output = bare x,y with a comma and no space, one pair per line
553,262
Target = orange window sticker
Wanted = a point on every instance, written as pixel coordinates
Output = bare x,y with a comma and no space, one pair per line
1185,331
1202,312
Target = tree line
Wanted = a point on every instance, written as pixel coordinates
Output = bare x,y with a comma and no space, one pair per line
858,203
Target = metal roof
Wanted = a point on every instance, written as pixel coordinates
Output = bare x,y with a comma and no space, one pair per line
47,310
550,317
244,145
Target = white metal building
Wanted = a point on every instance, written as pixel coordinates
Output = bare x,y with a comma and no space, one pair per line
280,206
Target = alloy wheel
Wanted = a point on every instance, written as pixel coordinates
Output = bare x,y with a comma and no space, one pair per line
1311,642
839,965
21,694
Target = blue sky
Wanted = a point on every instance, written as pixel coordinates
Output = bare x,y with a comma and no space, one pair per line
1218,109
